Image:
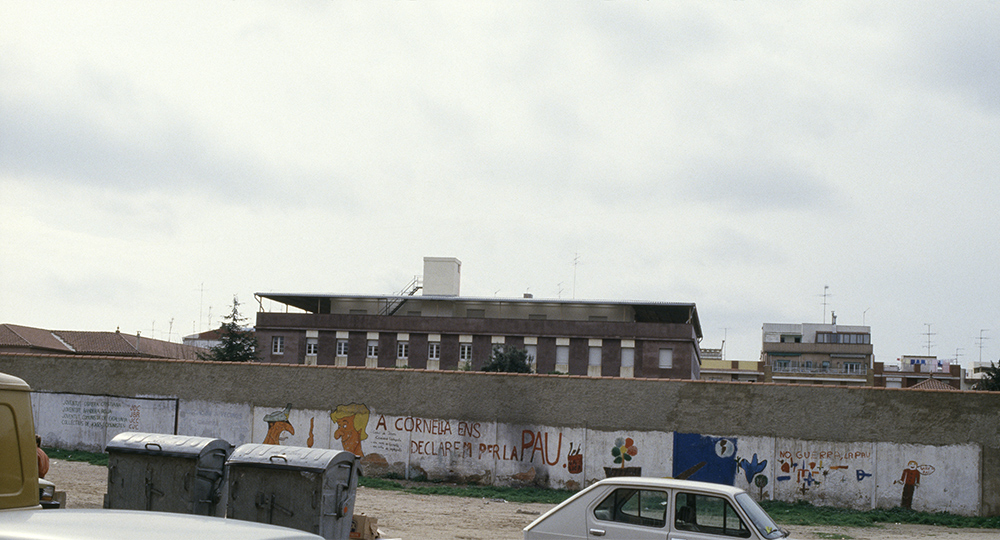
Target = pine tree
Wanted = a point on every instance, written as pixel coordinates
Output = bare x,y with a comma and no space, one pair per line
990,380
509,360
238,344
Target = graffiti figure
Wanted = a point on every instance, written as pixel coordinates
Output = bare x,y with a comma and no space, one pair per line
277,423
751,467
574,460
351,423
911,480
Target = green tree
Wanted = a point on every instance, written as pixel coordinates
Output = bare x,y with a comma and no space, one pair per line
238,344
508,360
990,380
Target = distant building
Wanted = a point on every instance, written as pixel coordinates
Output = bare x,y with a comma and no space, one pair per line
828,354
205,340
715,368
25,339
916,371
439,330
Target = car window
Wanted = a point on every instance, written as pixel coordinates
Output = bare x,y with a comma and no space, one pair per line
709,515
647,507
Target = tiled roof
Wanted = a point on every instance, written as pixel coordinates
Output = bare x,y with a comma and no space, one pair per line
12,335
92,343
933,384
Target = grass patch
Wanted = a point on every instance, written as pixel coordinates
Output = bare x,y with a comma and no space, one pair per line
803,513
94,458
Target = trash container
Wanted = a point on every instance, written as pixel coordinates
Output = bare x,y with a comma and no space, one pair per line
309,489
166,473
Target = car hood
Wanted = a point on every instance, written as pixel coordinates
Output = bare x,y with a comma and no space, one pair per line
132,524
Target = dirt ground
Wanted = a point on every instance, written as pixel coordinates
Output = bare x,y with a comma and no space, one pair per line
418,517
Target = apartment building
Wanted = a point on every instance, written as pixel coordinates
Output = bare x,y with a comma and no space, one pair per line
429,325
819,354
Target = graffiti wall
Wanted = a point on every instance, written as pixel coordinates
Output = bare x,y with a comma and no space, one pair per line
928,478
88,422
859,475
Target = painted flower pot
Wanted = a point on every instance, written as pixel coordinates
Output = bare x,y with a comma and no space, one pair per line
610,472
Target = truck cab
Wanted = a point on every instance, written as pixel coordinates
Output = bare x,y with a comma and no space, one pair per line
19,472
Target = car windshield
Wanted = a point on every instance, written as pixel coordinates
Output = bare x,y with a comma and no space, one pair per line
767,527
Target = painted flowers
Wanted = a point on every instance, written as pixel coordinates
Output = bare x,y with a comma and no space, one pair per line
623,450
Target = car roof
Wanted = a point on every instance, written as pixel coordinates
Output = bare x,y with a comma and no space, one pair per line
130,524
669,483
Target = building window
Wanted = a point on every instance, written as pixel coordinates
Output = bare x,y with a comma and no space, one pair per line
782,365
341,347
852,367
666,358
312,346
278,345
791,338
372,349
532,351
433,351
562,358
628,358
403,349
465,352
595,356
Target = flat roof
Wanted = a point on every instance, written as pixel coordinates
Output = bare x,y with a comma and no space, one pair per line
651,312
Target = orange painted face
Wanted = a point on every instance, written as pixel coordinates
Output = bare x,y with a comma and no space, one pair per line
348,435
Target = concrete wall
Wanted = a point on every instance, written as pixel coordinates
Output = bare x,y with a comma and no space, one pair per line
839,446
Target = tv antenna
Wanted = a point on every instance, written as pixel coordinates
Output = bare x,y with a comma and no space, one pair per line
576,262
928,333
826,294
980,340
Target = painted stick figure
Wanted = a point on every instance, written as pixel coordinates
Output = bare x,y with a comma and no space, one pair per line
910,480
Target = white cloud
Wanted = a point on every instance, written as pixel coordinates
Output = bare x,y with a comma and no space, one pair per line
736,155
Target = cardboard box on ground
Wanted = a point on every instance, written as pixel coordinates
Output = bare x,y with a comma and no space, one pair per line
364,527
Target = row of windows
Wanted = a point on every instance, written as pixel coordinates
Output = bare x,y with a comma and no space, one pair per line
854,339
824,367
665,359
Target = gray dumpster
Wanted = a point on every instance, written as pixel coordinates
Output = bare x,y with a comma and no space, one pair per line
167,473
309,489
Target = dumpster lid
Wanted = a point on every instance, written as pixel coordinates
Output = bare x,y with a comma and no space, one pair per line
165,445
289,457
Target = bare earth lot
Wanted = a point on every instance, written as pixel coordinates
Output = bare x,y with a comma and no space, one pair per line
418,517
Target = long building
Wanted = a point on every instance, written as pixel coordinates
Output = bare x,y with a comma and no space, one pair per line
438,329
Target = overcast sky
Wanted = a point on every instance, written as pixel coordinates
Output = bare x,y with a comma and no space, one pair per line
157,159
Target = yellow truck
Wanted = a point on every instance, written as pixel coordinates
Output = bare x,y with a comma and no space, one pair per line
22,517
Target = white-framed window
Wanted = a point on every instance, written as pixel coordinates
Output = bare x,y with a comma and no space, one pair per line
372,349
312,346
532,351
666,358
433,351
402,349
341,347
277,344
465,352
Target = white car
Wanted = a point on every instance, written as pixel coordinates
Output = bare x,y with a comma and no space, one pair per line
131,524
636,508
